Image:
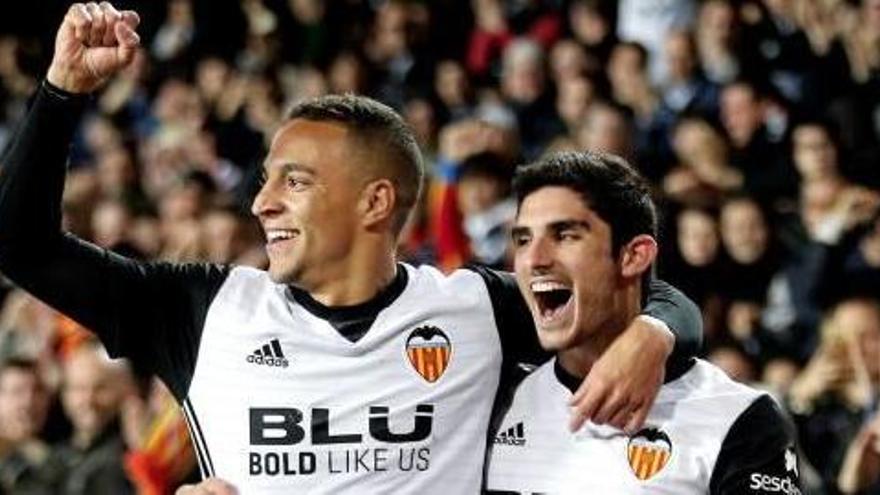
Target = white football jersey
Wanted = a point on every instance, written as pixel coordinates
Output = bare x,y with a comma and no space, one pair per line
676,453
282,403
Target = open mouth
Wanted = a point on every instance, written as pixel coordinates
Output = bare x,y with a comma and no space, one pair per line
279,241
552,298
275,236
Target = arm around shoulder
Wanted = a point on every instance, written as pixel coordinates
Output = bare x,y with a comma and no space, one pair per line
684,320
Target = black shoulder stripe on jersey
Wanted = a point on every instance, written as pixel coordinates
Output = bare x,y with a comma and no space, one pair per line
515,326
197,447
758,444
206,466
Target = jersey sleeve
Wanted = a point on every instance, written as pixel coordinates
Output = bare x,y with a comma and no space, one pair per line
683,317
151,313
757,455
516,329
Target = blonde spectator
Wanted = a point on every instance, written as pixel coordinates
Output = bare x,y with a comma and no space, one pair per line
839,384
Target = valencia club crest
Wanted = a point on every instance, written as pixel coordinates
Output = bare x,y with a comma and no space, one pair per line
648,451
429,350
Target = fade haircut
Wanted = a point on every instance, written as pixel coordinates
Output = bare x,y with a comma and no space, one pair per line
608,185
380,129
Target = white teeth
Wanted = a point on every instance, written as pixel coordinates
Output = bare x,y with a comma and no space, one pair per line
279,235
547,286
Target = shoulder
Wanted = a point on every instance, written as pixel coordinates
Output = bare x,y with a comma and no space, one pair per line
703,405
465,282
758,453
537,386
707,385
246,284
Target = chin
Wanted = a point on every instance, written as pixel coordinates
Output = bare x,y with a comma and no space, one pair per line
281,274
280,277
555,340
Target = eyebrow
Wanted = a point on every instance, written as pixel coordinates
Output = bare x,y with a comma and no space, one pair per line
569,224
288,167
518,230
557,226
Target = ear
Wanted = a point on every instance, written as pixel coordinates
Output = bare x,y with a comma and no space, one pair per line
377,202
637,256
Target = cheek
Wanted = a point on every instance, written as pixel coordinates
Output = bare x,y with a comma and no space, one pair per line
519,268
595,282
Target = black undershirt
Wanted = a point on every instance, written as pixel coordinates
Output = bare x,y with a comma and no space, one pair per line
569,381
353,322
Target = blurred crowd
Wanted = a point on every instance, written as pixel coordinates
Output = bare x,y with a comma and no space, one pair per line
758,122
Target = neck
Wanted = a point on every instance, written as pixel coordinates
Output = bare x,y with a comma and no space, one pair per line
364,274
830,176
626,304
82,439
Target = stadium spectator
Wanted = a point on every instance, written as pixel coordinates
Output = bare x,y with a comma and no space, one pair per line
718,44
695,264
24,402
833,395
703,174
754,150
648,23
525,89
90,461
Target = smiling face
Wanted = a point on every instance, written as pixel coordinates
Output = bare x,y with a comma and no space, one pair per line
308,204
565,266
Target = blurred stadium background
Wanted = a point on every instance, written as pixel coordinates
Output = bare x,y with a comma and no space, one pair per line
758,121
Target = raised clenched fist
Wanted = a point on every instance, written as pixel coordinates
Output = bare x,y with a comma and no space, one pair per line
94,42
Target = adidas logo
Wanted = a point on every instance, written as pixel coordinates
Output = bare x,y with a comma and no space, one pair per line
514,436
269,355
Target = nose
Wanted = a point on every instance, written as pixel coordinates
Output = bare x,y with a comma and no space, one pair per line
537,256
265,203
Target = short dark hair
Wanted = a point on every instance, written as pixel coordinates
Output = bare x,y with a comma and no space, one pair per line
490,165
639,48
382,129
608,184
831,130
756,90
